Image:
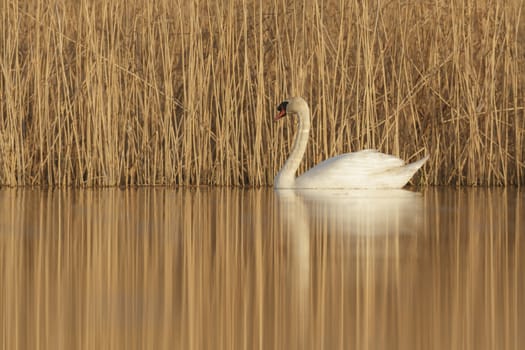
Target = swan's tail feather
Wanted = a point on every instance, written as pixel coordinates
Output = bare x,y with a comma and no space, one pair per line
417,164
404,173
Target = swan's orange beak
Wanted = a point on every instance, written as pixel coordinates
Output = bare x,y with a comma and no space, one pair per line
282,113
282,110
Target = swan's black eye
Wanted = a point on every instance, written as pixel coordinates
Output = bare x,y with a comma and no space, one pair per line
282,106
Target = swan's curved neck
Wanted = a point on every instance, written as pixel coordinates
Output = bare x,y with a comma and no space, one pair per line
286,176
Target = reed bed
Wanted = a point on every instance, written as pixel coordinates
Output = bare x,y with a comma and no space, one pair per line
107,93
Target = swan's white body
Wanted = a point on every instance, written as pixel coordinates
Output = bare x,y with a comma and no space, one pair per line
367,169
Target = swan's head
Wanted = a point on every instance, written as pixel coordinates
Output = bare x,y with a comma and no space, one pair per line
294,105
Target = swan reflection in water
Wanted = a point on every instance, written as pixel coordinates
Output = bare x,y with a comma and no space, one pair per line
372,216
358,212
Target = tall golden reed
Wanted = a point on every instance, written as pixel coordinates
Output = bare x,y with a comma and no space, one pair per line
104,93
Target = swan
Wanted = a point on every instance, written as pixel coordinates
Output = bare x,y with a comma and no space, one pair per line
366,169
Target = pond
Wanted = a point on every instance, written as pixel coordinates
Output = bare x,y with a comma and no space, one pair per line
222,268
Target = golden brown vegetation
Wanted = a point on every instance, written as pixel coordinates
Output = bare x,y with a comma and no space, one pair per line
102,93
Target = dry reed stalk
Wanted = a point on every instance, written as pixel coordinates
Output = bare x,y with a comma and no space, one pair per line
135,93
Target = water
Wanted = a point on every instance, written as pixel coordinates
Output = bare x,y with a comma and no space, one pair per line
255,269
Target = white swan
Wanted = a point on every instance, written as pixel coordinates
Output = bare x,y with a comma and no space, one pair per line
358,170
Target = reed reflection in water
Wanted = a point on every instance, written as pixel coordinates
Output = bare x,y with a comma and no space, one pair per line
257,269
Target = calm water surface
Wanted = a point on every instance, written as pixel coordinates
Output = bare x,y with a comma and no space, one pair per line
256,269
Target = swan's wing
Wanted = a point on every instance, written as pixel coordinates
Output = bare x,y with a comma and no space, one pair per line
365,162
349,169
